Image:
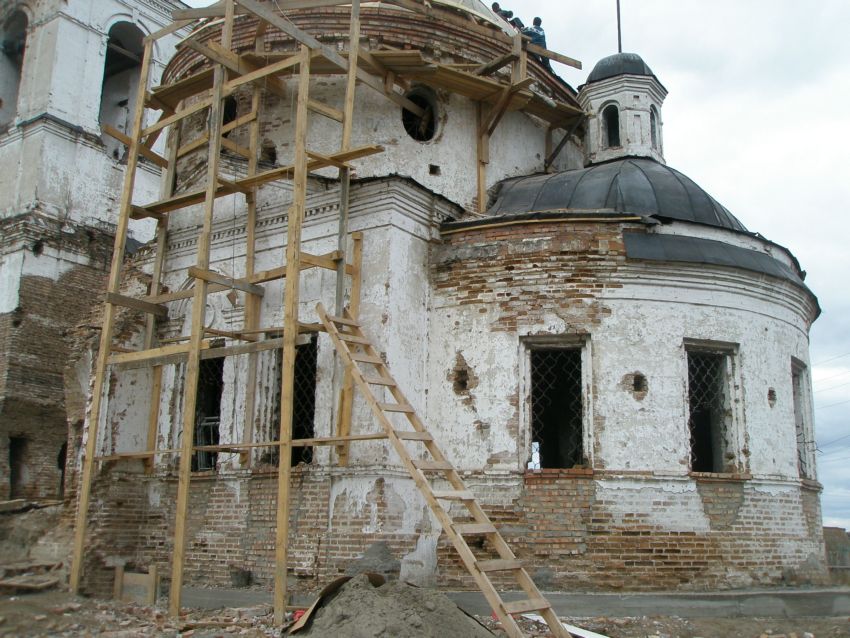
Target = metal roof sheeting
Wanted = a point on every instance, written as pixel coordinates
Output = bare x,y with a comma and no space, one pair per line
638,186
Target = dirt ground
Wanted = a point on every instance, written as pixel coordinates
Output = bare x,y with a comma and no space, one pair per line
60,614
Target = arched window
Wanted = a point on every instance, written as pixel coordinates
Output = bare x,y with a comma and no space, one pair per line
611,124
13,39
121,73
653,126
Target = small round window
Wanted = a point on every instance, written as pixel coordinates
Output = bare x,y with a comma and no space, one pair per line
422,127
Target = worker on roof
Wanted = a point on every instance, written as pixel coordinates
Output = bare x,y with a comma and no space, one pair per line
538,37
507,16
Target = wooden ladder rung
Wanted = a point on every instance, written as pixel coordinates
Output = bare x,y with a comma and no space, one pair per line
498,565
379,381
412,435
523,606
396,407
454,495
432,465
353,338
362,357
472,529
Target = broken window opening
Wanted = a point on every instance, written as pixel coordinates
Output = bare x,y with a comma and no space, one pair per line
303,402
121,73
18,467
611,125
229,112
804,440
421,128
208,412
268,153
13,44
709,410
557,411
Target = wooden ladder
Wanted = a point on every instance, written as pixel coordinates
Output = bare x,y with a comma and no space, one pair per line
356,350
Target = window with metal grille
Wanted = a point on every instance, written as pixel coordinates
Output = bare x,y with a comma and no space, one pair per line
804,439
708,399
556,408
208,412
304,399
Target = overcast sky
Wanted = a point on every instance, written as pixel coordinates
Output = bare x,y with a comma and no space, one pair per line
758,114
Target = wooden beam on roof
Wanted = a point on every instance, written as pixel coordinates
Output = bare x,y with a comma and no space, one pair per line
236,64
167,30
497,111
552,55
329,54
494,65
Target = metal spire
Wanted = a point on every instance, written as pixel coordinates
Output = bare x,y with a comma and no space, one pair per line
619,32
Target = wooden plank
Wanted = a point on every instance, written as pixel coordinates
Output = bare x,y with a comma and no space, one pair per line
176,117
150,354
429,465
193,145
172,94
235,148
126,202
167,30
156,158
552,55
374,380
136,304
404,408
329,54
199,303
474,529
454,495
261,72
492,66
213,11
413,436
290,324
499,565
328,111
524,606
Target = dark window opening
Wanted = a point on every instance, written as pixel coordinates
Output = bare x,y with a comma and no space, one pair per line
230,110
653,127
611,119
556,409
268,152
421,128
707,410
208,412
304,399
61,460
18,469
798,390
13,39
121,73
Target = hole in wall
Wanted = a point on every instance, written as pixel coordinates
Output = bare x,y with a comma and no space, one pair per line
771,397
433,169
37,247
635,383
268,152
639,383
423,127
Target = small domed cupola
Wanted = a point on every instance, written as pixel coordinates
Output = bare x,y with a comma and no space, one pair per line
623,99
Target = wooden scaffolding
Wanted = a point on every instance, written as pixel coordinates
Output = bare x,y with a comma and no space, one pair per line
206,91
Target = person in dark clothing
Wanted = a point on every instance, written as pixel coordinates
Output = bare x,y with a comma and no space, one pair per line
538,37
507,16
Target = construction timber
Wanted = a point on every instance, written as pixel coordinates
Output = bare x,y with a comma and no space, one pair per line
205,91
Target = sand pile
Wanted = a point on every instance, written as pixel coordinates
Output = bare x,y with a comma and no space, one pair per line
393,610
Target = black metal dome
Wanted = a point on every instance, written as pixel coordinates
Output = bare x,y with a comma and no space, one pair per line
619,64
640,186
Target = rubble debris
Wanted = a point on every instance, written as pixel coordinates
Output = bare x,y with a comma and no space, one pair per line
393,610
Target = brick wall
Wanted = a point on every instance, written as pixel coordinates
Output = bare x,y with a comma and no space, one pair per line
34,348
566,533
